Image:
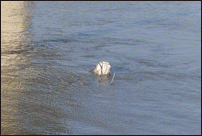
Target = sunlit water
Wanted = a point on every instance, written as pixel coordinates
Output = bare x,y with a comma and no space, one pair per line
49,48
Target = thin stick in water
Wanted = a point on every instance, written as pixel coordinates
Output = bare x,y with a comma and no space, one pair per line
61,79
81,83
112,79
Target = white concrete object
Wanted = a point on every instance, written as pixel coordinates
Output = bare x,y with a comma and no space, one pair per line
102,68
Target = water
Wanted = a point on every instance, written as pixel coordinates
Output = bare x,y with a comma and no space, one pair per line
49,48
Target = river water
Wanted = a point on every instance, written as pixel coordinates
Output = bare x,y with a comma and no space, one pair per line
49,48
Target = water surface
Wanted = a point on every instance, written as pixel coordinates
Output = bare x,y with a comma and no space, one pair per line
49,48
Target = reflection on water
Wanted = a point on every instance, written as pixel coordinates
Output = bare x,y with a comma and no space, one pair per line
49,48
14,30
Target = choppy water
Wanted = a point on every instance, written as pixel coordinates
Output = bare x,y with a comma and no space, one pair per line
49,48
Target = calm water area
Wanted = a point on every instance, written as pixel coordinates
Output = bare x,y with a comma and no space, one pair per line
48,50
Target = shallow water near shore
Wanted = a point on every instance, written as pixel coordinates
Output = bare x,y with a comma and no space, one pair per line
48,50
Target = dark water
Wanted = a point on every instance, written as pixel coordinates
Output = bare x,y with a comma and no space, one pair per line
49,48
